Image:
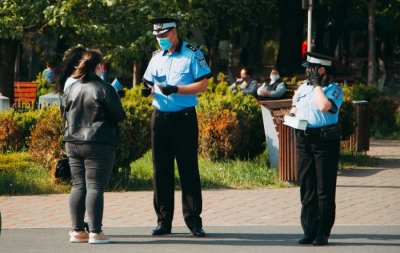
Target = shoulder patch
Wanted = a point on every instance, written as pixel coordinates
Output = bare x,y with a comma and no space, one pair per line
337,93
191,48
201,59
157,51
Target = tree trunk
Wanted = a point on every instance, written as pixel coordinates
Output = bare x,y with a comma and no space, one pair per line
253,46
61,47
292,21
214,59
214,53
335,34
231,44
371,43
136,73
8,54
319,17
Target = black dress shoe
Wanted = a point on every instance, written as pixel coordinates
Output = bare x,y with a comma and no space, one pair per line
161,230
198,231
306,239
321,240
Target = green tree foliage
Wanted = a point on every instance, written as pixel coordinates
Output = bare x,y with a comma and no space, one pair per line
119,28
20,20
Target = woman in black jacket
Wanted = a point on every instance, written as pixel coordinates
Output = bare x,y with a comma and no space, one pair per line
92,109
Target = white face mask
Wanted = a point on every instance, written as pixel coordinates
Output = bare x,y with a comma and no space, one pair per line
274,77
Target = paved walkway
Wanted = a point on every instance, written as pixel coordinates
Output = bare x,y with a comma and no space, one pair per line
365,196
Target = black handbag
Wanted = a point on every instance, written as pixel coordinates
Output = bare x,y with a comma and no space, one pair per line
62,168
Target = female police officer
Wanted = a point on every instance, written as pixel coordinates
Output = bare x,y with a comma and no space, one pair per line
318,100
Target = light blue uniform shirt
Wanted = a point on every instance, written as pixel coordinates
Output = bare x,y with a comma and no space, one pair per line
184,66
307,109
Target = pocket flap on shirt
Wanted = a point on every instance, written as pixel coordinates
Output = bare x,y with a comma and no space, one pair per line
181,69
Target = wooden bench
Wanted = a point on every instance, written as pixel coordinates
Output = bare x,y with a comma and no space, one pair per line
25,92
280,139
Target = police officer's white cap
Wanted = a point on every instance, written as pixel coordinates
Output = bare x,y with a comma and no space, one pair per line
163,25
318,59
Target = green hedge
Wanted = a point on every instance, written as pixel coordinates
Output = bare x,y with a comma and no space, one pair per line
230,125
249,131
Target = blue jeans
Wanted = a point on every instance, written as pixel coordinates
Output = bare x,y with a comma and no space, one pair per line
91,165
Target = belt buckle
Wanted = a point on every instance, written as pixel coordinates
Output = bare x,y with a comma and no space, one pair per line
167,115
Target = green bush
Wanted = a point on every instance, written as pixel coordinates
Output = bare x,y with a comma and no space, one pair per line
248,114
135,131
27,121
10,134
359,91
383,107
346,119
23,121
43,87
383,110
45,142
220,134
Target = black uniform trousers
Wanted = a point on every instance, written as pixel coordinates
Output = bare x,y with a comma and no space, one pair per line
175,136
318,163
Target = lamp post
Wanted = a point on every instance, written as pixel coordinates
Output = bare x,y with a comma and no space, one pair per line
307,5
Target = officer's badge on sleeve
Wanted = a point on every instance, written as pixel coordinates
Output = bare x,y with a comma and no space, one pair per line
337,93
201,60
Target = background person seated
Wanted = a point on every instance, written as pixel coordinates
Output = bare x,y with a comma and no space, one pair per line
48,72
245,83
273,89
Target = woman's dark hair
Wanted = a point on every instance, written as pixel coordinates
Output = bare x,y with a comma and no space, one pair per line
65,69
88,64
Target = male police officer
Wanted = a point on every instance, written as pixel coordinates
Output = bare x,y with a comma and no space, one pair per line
176,73
318,101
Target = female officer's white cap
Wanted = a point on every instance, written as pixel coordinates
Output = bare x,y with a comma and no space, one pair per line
318,59
163,25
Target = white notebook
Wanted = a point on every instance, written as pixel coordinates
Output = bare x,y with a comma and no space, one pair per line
295,122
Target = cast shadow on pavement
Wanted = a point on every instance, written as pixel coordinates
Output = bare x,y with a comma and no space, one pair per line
358,172
242,239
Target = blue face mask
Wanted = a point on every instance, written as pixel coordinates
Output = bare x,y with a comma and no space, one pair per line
164,43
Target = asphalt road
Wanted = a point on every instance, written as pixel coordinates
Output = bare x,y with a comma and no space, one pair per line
221,239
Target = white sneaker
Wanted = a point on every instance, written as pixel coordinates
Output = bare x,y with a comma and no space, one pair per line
78,236
97,238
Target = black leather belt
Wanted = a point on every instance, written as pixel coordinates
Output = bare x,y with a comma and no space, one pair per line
178,114
310,131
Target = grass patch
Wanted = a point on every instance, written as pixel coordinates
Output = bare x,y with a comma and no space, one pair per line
350,159
19,175
382,132
385,132
214,175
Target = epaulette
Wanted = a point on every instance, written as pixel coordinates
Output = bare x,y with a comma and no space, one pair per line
191,48
334,82
157,51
